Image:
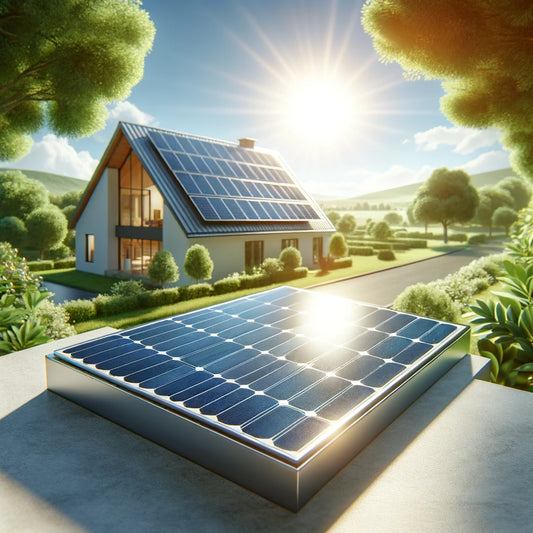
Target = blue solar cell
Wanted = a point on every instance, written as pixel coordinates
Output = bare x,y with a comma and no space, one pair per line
220,207
195,345
159,140
170,343
186,162
167,377
271,212
203,184
320,393
223,151
334,359
211,395
139,364
262,190
234,208
416,351
189,380
416,329
360,368
234,358
152,372
213,167
301,434
188,182
199,388
261,372
392,325
241,186
255,336
82,350
201,147
210,357
345,402
309,351
172,161
106,355
227,183
246,410
275,377
115,362
173,142
294,384
390,347
187,145
438,333
293,342
225,402
249,366
161,334
204,206
383,375
239,329
273,343
148,330
226,169
260,210
225,322
365,341
201,164
273,422
217,185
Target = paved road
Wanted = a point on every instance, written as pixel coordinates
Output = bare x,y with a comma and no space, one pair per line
381,288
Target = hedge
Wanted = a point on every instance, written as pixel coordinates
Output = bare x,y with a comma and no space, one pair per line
478,239
253,281
40,265
65,263
225,285
80,310
159,297
198,290
361,250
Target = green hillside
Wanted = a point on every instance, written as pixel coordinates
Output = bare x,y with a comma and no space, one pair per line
54,183
401,197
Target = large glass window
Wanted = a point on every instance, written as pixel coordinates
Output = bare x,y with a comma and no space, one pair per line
141,204
89,248
253,254
136,254
318,248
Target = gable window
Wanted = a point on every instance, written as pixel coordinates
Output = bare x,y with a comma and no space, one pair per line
141,204
89,248
285,243
318,248
253,254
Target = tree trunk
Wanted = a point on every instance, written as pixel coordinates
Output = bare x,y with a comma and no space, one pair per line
445,232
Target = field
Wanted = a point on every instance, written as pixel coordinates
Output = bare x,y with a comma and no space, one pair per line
54,183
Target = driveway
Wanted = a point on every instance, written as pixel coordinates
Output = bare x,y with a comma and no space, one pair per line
381,288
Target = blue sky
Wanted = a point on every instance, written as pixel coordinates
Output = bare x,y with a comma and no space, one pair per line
302,78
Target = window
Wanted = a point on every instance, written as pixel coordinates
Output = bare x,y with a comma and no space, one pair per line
285,243
136,254
253,254
89,248
318,248
141,204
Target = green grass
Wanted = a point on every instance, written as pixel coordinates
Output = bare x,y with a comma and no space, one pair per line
70,277
361,265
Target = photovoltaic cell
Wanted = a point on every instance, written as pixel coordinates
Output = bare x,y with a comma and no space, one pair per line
266,369
262,189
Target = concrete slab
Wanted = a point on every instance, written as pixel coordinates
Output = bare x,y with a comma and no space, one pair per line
457,460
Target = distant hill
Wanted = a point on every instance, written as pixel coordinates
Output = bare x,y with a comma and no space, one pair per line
54,183
401,197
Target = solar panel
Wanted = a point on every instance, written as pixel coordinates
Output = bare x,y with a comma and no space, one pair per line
283,372
212,169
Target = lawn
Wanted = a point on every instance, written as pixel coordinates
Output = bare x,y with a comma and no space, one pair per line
361,265
70,277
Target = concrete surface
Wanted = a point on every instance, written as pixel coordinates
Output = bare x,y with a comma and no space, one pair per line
458,460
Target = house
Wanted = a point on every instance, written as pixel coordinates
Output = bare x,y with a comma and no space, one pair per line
156,189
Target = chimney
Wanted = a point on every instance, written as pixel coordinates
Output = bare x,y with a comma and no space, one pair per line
246,142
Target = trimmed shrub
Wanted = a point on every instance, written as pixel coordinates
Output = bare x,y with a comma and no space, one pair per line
288,275
343,262
159,297
225,285
481,238
426,300
127,288
114,305
411,243
198,263
338,246
34,266
270,266
80,310
386,255
65,263
361,250
290,258
163,269
458,237
253,281
61,251
197,290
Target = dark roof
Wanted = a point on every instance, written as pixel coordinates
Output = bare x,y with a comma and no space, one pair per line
216,187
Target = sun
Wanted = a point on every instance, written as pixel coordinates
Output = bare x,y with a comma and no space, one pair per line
320,110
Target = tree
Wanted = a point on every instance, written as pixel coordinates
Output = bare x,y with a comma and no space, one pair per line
347,224
163,269
381,231
519,190
19,195
337,246
393,219
422,210
504,217
290,258
47,227
62,61
481,50
13,230
334,217
198,264
446,197
70,198
490,198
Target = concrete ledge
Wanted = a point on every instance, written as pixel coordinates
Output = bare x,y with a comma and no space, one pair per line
457,460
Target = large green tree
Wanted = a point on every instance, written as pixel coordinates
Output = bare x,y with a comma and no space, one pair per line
519,190
19,195
63,61
480,49
47,227
490,199
447,197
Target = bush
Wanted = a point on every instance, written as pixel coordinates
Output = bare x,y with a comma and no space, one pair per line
163,269
114,305
159,297
35,266
127,288
56,320
361,250
80,310
198,290
270,266
290,258
458,237
229,284
481,238
344,262
253,281
381,231
426,300
386,255
337,246
61,251
198,264
288,275
65,263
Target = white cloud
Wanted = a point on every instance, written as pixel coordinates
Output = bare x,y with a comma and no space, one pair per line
55,154
486,162
128,112
464,140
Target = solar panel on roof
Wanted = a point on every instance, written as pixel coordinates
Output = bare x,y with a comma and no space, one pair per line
212,169
283,372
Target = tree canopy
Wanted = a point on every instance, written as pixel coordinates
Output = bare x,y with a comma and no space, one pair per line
47,227
163,269
490,199
19,195
198,263
63,61
480,49
446,197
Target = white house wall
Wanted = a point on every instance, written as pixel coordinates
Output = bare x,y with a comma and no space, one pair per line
99,218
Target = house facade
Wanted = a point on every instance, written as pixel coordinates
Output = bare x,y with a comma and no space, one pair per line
157,189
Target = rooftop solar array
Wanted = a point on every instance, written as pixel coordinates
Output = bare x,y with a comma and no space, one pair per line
230,183
281,371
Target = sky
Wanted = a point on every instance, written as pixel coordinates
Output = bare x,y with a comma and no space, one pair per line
299,76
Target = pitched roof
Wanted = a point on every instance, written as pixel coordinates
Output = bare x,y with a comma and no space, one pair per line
215,187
